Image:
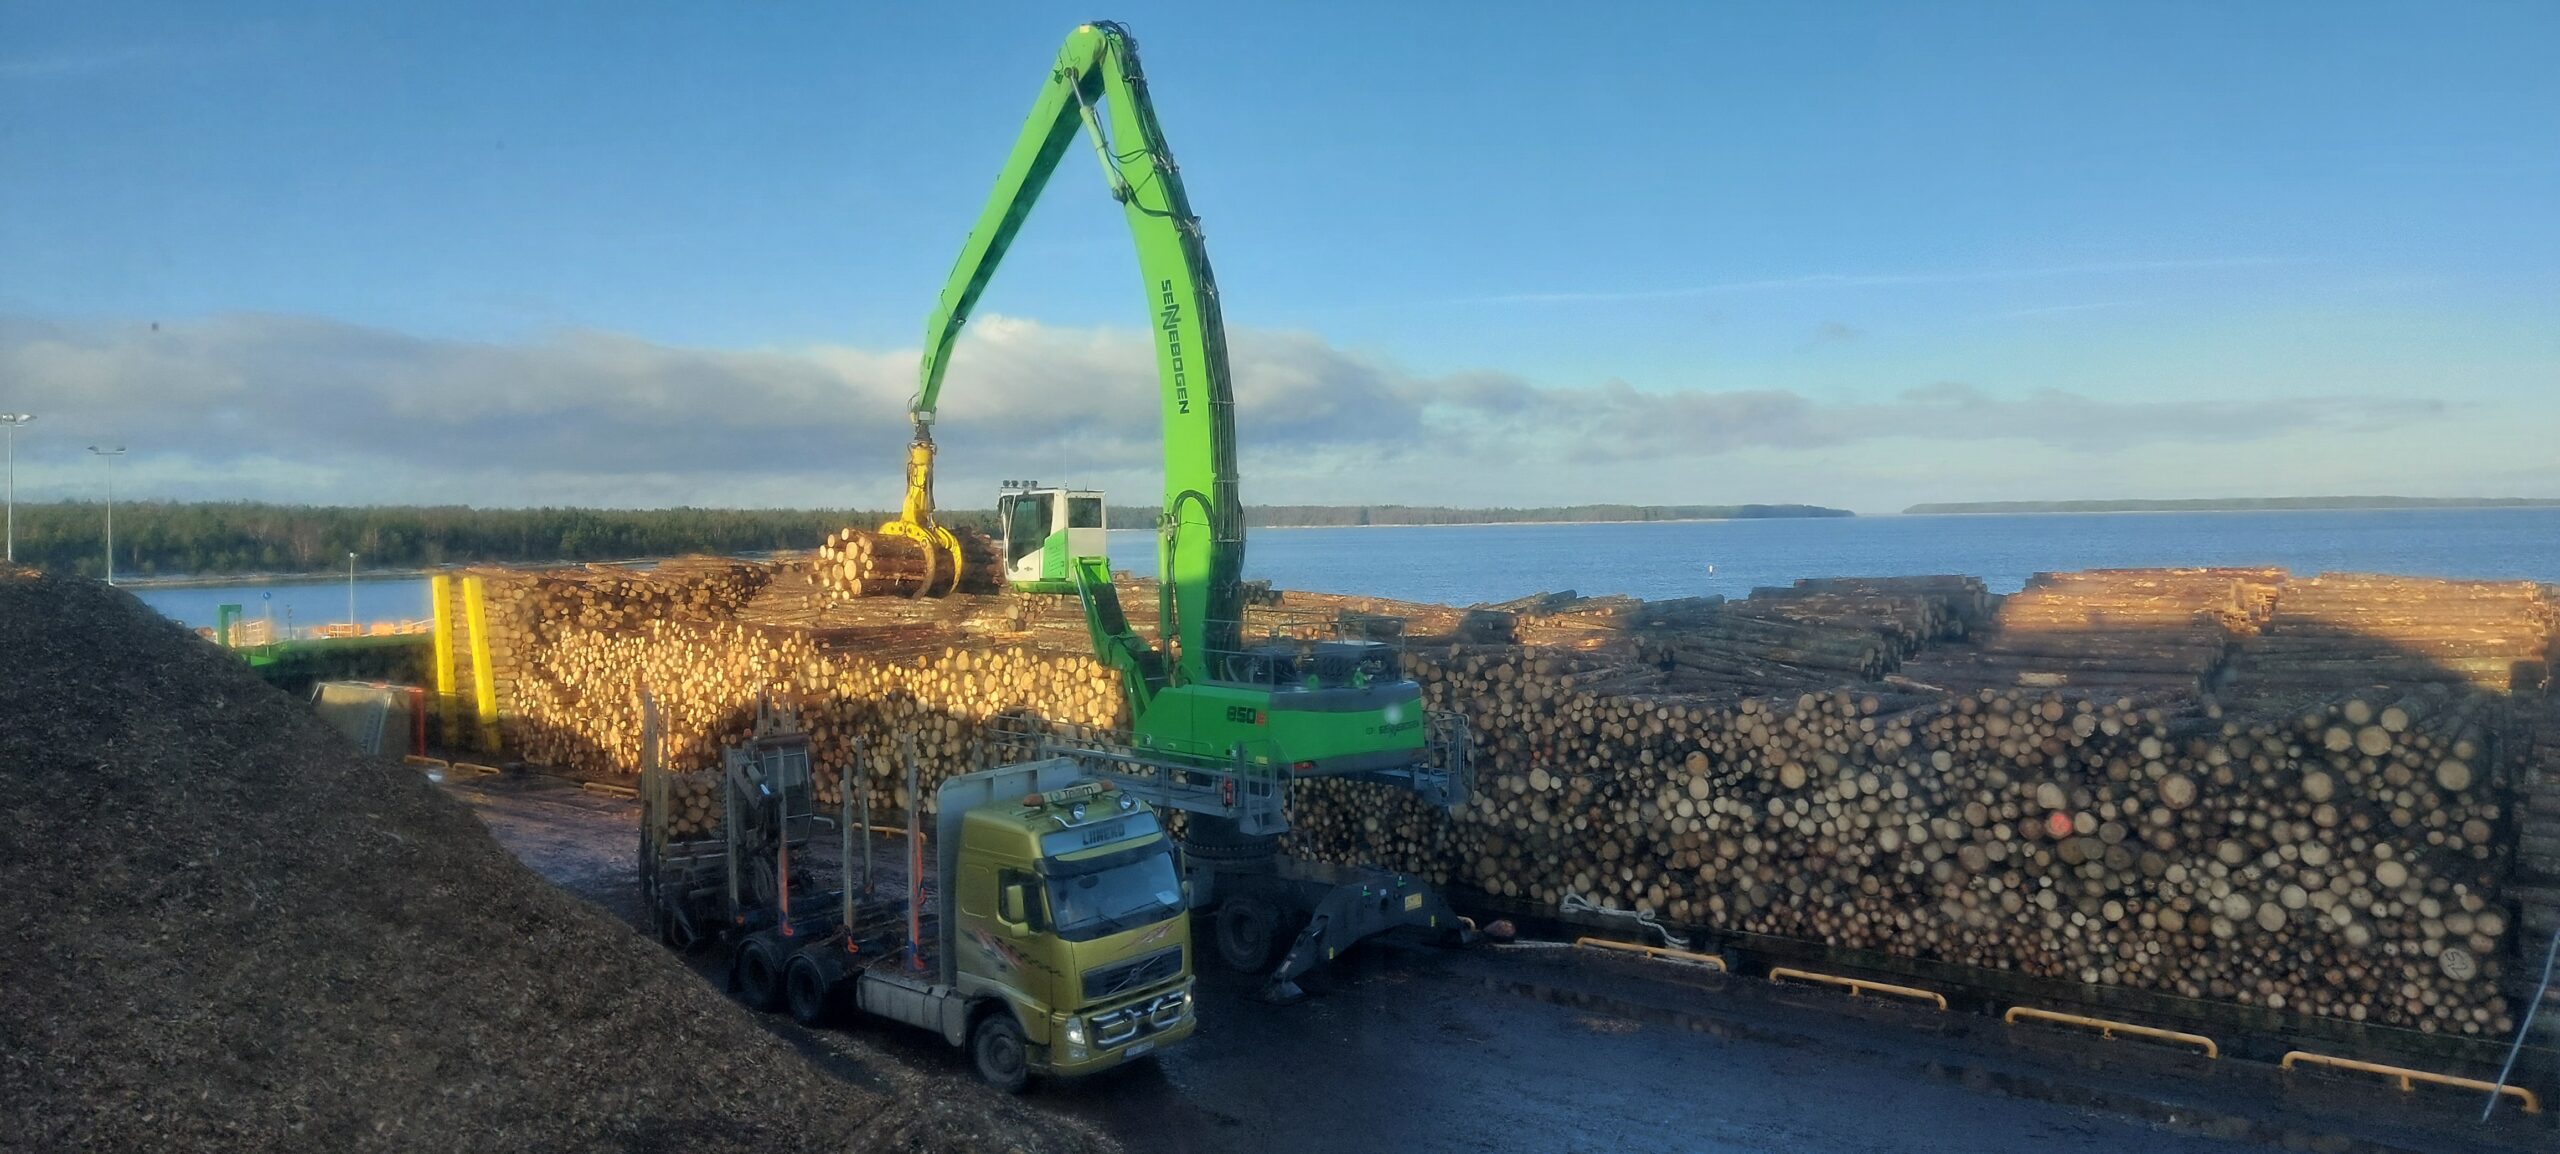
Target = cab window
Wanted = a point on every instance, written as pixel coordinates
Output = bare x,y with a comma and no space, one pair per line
1029,527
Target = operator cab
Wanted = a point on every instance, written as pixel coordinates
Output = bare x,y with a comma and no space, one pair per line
1045,529
1315,665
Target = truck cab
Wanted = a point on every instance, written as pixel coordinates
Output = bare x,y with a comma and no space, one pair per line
1070,910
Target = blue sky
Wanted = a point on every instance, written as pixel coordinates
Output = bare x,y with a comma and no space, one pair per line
1864,255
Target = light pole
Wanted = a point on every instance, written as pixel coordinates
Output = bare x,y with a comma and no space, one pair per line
110,455
351,592
10,422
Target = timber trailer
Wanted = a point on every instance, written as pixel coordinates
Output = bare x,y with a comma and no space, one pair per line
1039,922
1219,725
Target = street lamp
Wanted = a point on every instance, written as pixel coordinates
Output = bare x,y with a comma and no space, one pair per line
110,455
351,591
10,422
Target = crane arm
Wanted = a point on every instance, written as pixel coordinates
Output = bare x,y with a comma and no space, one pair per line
1097,84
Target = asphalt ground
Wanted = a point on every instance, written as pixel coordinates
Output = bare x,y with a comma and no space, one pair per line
1546,1048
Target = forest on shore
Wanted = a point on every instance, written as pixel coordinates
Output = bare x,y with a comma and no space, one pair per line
168,538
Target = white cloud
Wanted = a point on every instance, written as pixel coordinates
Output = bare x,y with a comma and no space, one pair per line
303,409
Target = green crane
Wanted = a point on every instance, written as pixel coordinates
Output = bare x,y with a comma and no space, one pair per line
1218,725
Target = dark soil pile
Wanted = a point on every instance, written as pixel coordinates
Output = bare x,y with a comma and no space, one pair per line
220,926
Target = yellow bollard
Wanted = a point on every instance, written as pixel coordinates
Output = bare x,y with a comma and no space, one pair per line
484,684
448,705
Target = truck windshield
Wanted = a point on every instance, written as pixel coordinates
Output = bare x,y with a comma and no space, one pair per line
1106,895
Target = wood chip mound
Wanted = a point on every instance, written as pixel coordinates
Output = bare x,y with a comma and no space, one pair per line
222,927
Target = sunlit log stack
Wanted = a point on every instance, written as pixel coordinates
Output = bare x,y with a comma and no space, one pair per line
861,563
580,708
526,608
2350,629
2112,629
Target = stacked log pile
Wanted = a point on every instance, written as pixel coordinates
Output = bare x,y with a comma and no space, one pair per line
2351,629
1810,634
1910,611
2322,862
580,709
2114,629
860,563
2337,853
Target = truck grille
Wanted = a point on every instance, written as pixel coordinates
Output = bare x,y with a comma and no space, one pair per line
1135,974
1137,1019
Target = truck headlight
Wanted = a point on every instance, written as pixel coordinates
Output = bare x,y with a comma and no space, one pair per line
1075,1032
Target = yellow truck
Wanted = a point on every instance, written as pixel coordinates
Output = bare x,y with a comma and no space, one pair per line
1041,922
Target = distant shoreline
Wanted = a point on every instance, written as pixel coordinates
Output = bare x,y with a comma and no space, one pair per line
2229,505
227,580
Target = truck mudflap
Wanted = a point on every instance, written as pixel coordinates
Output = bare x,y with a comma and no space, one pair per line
1362,903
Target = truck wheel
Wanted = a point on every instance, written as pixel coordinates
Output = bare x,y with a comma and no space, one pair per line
759,974
1248,933
996,1048
805,991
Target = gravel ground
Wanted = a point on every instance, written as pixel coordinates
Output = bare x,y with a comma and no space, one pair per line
221,927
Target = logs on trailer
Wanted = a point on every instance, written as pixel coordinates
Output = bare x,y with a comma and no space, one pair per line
861,563
2325,851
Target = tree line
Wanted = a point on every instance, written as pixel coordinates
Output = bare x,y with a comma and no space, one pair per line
168,538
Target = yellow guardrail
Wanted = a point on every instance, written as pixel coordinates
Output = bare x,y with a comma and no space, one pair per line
2109,1029
1708,960
427,762
2410,1078
1857,986
608,789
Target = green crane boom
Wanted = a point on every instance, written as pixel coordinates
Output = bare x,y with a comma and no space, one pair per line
1219,726
1201,694
1201,547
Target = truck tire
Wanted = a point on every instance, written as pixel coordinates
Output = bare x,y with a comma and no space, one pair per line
807,993
996,1049
758,974
1248,932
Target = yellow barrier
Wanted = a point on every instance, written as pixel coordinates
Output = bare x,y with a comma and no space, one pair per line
1708,960
2109,1029
426,762
1857,986
448,707
2410,1078
608,789
484,684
